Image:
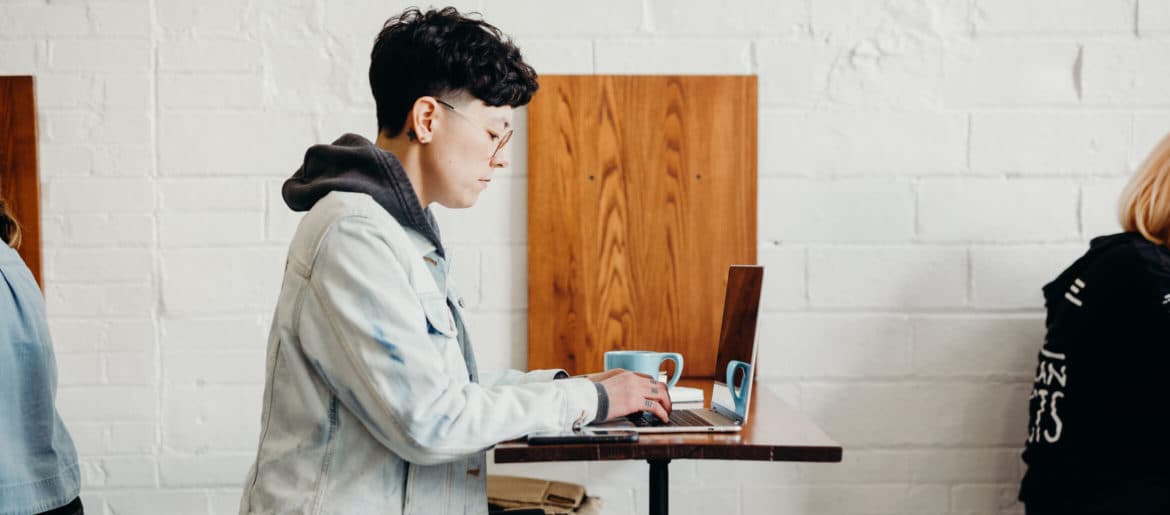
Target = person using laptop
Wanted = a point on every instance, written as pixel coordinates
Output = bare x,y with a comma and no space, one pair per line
373,402
1096,415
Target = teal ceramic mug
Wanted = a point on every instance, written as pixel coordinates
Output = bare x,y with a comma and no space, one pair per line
739,392
644,362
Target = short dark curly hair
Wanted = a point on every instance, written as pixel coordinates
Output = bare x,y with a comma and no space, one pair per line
440,52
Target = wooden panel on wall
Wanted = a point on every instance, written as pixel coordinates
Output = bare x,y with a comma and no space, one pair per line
19,181
641,192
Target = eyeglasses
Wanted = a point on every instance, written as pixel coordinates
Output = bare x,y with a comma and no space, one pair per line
503,138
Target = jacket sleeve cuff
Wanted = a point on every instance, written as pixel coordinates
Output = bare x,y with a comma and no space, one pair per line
582,402
602,404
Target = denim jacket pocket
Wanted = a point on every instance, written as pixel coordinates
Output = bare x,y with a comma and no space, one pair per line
440,322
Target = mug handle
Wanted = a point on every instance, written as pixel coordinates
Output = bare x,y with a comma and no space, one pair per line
739,392
678,367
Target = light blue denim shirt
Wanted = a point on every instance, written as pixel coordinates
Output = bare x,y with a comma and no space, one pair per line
38,464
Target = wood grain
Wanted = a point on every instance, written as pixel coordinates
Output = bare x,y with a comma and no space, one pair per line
641,192
774,432
20,183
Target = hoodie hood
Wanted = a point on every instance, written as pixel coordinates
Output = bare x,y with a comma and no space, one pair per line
1156,257
354,164
1129,248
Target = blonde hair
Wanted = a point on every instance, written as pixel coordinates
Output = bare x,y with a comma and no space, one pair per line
1145,204
9,227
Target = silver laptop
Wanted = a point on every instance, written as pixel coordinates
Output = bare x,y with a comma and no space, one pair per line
731,393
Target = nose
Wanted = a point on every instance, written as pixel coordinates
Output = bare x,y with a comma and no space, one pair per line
502,159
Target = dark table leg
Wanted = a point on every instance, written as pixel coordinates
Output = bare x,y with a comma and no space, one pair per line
659,487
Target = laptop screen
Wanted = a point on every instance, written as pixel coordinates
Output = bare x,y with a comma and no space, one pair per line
737,341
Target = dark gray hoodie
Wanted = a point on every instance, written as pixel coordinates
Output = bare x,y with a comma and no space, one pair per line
354,164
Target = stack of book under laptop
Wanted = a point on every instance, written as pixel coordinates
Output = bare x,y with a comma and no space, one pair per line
684,397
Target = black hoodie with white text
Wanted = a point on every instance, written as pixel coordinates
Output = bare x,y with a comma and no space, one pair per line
1097,413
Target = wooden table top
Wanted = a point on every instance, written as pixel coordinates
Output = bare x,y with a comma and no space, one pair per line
775,432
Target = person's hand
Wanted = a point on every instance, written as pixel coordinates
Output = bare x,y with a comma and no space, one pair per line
630,392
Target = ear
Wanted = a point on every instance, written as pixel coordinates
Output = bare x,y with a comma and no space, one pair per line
418,123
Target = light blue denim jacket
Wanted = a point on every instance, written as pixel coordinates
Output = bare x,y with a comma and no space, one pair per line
38,464
371,404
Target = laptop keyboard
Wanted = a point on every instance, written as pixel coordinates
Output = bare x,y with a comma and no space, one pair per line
680,417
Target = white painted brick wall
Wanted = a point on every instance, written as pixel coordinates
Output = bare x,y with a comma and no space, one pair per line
1010,72
1154,18
602,19
98,55
208,55
1010,277
747,18
1050,143
979,347
687,56
1148,130
824,211
1127,72
1100,207
997,210
785,287
1034,17
837,346
851,142
895,277
925,168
